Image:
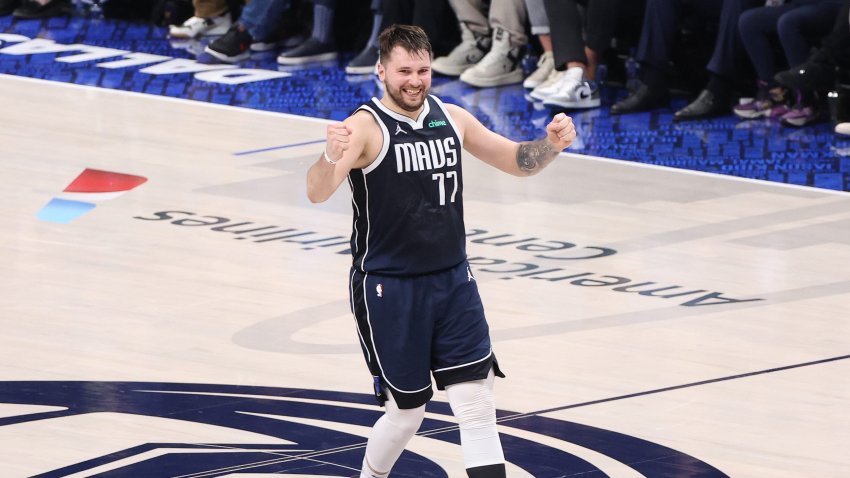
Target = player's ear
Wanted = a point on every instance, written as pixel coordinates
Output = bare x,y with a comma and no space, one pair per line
381,71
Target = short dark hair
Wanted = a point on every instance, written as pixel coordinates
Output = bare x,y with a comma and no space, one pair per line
410,37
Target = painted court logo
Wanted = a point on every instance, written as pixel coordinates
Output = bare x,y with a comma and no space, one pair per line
91,186
203,430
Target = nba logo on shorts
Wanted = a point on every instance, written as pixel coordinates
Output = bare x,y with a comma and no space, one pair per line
380,290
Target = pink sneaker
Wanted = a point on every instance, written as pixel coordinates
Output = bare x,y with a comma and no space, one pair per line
801,115
769,102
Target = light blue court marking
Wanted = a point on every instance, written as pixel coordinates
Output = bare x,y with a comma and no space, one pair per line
245,153
64,211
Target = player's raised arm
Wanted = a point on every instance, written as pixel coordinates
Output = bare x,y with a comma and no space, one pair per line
519,159
344,150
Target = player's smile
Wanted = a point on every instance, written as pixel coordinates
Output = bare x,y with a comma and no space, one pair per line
412,93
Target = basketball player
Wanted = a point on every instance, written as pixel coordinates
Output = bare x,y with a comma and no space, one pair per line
412,293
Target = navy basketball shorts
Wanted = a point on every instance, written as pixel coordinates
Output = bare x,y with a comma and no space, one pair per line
411,327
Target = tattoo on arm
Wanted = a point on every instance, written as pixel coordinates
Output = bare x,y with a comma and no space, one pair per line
532,156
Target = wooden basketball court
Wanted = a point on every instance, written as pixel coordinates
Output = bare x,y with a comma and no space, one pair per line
701,314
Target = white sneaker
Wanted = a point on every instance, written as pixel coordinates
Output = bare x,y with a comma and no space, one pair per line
197,26
469,52
498,67
548,87
545,67
574,91
843,129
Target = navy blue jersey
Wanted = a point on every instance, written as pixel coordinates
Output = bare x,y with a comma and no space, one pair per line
408,208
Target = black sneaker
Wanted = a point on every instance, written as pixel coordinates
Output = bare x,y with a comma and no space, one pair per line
364,63
707,105
8,6
233,46
33,9
643,98
309,51
816,73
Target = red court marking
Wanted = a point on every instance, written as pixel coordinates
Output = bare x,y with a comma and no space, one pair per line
97,181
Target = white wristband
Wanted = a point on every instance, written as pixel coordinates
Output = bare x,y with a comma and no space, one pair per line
328,158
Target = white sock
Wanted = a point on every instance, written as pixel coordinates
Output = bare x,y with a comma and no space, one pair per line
368,472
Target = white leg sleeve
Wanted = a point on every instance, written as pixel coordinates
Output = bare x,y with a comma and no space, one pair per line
389,437
475,408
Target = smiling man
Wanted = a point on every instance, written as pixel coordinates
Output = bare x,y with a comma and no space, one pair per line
413,295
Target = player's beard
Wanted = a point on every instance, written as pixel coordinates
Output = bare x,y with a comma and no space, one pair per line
402,101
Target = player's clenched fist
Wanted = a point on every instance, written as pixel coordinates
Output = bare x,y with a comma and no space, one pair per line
338,140
561,131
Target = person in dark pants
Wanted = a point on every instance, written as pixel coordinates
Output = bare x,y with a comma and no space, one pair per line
434,16
365,61
577,46
255,24
660,25
818,71
795,23
321,46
